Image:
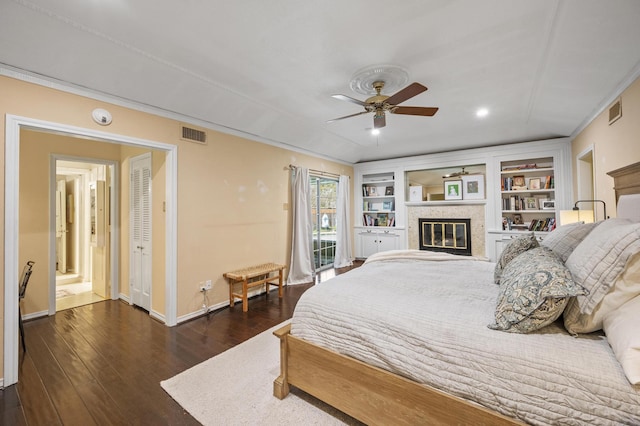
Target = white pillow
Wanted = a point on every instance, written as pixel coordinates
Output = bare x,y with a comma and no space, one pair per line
599,259
622,328
564,239
625,288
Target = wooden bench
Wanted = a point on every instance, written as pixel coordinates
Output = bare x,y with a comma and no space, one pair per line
253,276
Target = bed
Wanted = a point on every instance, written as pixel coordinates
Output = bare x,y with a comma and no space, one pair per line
410,338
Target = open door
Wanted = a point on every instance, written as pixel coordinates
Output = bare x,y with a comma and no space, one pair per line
61,226
100,241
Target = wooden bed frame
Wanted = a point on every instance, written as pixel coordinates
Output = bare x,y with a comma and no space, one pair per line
376,396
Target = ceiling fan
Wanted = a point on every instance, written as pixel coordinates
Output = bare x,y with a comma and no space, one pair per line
379,104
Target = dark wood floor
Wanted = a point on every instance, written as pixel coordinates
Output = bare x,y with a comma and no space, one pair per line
102,364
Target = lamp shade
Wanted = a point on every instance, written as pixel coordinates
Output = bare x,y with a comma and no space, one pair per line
572,216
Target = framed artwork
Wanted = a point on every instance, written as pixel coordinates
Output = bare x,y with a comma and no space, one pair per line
388,190
453,189
530,203
518,182
473,187
547,204
534,183
517,219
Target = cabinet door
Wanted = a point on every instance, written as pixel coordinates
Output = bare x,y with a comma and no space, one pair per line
387,241
368,243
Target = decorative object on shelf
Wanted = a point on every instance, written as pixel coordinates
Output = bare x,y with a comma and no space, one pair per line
387,205
530,203
416,193
388,190
473,187
518,183
534,183
453,189
547,204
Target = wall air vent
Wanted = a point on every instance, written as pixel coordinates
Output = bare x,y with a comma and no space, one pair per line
615,111
194,135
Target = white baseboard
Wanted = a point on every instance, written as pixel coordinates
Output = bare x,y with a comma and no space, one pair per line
211,308
35,315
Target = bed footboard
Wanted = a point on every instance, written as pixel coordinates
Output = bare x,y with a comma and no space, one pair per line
370,394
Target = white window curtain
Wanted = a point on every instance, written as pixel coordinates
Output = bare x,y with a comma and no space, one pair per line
301,267
343,225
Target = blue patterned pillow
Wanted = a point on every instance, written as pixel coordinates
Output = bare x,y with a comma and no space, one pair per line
534,290
514,248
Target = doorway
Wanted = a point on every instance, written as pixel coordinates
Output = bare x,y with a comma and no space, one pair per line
13,126
82,265
324,192
585,174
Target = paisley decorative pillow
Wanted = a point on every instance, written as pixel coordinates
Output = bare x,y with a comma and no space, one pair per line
514,248
534,290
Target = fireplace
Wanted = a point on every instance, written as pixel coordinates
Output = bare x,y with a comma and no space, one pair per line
446,235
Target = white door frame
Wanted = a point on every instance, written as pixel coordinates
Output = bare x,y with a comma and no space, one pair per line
115,225
13,124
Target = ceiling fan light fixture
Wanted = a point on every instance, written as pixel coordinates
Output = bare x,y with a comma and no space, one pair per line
375,132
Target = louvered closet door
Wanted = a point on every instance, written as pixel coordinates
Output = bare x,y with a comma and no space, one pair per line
140,231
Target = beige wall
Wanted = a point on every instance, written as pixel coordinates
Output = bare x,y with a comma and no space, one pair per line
231,194
615,145
36,149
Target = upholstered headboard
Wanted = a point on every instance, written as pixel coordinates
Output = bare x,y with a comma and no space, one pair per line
629,207
626,182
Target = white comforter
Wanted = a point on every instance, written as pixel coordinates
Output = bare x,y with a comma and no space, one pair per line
424,316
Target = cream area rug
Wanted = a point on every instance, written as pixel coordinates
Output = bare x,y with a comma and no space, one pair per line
236,388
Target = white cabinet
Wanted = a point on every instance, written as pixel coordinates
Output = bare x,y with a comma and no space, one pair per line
372,240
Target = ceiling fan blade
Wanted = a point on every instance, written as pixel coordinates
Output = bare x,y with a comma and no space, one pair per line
379,121
347,116
348,99
408,92
425,111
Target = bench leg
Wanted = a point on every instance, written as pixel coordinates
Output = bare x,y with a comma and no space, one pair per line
280,283
245,296
231,298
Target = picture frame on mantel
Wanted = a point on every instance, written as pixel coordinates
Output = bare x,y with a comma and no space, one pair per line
473,187
453,189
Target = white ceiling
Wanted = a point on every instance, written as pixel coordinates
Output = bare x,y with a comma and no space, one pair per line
267,69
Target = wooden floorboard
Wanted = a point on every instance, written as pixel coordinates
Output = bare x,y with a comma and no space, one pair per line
101,364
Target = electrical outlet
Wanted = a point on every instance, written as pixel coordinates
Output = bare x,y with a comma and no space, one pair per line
205,285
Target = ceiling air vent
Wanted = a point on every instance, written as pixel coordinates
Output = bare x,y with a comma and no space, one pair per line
194,135
615,111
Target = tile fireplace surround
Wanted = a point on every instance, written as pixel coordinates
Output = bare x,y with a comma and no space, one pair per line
475,212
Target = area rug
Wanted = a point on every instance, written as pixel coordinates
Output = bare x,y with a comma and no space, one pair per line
236,388
66,290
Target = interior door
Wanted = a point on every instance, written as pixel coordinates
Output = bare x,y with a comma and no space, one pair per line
100,238
61,226
140,231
